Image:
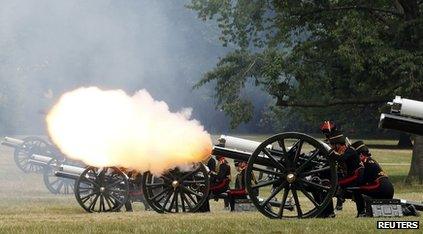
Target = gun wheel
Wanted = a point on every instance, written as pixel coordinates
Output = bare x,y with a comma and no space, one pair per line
102,189
177,190
54,184
30,146
299,177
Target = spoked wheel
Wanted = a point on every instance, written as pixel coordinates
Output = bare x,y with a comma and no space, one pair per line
102,189
299,177
54,184
177,190
30,146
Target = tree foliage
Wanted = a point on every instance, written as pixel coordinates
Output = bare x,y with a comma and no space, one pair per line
316,53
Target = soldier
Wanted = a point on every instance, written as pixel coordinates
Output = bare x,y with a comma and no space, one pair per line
221,178
348,157
239,192
326,128
211,165
375,183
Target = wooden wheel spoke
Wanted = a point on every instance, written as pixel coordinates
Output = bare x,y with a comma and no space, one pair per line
191,198
91,181
115,198
93,202
169,194
108,202
186,199
182,202
266,183
281,144
155,185
60,185
160,193
297,203
189,174
276,173
315,171
113,184
310,197
187,190
301,168
274,192
175,194
86,197
314,185
193,181
284,197
298,151
273,160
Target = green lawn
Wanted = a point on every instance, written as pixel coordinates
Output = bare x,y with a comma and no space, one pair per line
26,206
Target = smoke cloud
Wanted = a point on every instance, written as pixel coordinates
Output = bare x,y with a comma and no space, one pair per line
111,128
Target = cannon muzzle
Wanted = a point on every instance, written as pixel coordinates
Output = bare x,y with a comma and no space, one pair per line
12,142
406,115
69,172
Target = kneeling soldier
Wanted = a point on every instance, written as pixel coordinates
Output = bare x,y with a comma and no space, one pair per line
375,183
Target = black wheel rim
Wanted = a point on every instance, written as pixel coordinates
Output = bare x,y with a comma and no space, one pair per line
54,184
298,178
102,189
30,146
177,190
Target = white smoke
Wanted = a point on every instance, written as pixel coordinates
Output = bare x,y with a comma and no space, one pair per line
110,128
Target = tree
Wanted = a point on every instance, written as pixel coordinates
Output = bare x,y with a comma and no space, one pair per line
331,56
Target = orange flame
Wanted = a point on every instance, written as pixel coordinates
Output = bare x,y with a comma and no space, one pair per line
110,128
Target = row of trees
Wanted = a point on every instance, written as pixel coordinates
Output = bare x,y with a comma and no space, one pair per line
319,59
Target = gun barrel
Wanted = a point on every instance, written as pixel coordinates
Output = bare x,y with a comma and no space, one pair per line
40,159
71,169
407,107
12,142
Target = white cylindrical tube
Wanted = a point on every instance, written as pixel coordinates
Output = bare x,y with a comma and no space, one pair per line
13,141
41,158
408,107
412,108
72,169
239,143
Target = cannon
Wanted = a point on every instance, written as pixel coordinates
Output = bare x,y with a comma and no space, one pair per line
26,148
293,166
36,155
406,115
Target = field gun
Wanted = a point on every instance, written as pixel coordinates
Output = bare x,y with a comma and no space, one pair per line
28,147
291,166
36,155
406,115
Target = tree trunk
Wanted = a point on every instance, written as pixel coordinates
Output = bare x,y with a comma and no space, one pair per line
404,141
416,167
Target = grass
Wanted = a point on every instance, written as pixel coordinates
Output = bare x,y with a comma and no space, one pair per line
27,207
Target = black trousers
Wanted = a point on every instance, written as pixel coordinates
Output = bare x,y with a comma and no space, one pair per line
384,191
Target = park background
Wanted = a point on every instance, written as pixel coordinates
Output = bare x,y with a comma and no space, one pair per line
250,68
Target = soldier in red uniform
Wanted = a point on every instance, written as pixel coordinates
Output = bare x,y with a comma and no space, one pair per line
371,182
